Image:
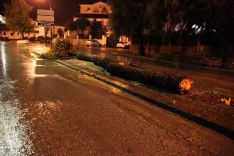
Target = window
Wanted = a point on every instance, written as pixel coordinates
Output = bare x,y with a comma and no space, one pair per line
104,10
95,10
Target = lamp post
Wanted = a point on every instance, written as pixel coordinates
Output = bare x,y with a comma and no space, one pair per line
48,23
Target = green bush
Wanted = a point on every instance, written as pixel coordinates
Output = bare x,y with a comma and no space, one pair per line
102,62
62,48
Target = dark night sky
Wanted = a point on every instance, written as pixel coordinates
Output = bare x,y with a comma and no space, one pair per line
64,9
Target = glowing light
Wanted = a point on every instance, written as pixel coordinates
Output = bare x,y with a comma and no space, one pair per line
39,49
13,138
40,1
46,108
4,61
2,19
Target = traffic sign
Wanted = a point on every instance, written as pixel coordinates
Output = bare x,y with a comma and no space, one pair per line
45,15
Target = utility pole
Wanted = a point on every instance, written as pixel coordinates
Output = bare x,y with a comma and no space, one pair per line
51,30
50,5
47,18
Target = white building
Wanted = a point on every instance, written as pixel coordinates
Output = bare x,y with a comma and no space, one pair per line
95,8
39,31
98,11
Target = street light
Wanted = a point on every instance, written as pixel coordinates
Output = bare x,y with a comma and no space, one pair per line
45,17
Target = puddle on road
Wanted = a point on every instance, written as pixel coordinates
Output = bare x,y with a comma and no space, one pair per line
14,140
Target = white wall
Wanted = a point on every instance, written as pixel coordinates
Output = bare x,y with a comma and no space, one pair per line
38,31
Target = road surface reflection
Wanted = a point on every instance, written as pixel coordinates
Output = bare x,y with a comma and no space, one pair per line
13,137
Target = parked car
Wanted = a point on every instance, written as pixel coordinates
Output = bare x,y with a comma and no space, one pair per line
93,43
124,45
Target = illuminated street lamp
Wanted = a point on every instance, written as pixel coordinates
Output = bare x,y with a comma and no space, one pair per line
2,19
46,18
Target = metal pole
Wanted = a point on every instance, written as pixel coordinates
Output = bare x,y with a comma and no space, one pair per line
45,33
50,5
51,36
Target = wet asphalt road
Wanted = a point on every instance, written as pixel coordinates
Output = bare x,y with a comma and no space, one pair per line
47,109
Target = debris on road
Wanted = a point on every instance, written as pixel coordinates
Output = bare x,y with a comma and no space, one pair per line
226,101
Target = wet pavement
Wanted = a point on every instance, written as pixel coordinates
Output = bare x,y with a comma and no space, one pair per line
48,109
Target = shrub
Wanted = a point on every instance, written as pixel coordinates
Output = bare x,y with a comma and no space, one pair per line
62,48
102,62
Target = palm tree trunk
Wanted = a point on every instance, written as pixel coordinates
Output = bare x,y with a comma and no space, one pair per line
22,34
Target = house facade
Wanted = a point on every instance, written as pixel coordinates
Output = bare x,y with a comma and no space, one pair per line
98,11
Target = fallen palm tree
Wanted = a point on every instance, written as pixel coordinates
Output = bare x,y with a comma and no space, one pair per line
168,82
